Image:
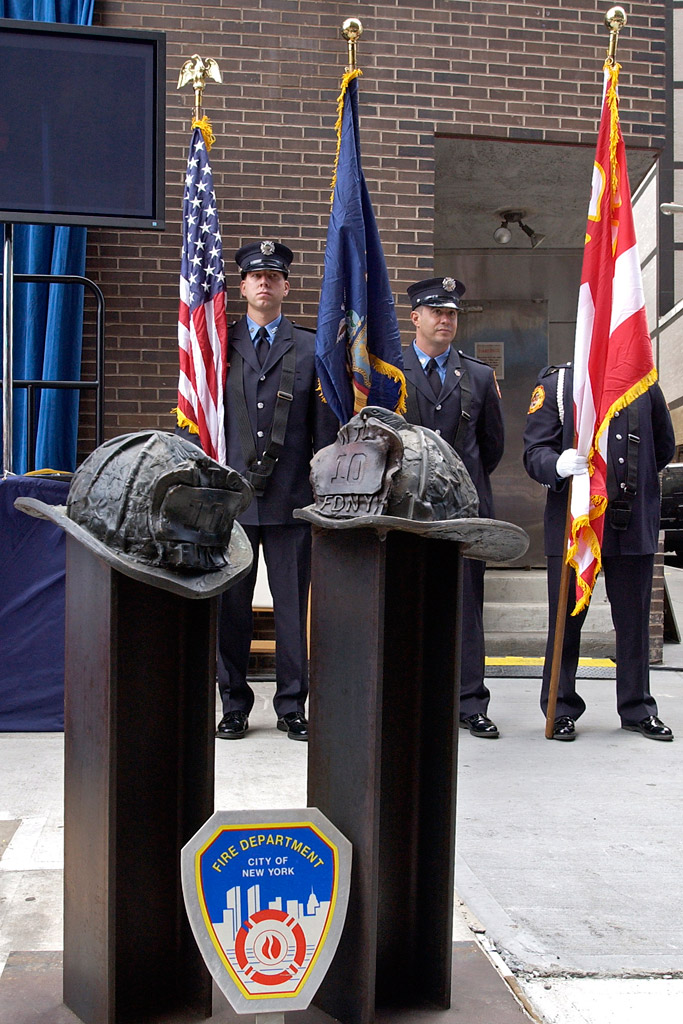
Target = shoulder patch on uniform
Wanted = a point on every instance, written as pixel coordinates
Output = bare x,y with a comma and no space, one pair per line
537,399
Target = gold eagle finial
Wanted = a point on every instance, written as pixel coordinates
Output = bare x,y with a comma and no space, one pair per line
197,70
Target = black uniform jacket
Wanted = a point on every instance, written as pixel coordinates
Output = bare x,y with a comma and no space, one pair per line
310,424
484,440
545,437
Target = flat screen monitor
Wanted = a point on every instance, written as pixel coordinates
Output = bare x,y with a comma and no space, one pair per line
81,125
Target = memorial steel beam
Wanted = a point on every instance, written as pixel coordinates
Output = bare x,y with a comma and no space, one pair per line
382,759
395,512
151,542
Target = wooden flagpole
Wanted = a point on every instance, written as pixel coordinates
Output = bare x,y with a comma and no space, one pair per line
560,621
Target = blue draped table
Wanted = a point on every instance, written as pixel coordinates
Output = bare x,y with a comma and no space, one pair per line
32,571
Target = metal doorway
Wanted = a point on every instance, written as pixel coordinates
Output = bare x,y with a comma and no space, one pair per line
512,337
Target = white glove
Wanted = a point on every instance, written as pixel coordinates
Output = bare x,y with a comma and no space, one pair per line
570,463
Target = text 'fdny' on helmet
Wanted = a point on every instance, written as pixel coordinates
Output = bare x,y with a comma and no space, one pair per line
387,474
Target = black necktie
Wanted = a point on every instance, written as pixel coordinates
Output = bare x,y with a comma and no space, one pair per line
433,376
261,345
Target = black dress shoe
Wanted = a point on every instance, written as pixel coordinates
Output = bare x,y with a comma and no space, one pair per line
651,727
294,724
564,728
233,726
480,725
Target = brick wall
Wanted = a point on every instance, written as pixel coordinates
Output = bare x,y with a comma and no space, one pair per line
456,67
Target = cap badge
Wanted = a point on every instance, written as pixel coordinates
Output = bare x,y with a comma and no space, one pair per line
267,248
448,284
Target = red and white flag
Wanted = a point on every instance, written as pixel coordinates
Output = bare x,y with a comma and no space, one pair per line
202,325
613,361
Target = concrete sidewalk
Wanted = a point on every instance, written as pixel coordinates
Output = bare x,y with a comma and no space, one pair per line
567,854
264,771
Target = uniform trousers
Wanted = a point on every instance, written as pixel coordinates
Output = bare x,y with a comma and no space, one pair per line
628,581
287,553
474,695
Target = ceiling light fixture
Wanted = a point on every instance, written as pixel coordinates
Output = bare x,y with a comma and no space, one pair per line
503,235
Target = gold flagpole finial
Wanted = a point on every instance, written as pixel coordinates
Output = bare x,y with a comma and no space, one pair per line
615,19
197,70
352,30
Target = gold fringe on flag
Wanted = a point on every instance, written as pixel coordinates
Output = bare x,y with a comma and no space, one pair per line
599,502
183,421
612,98
629,396
394,374
583,522
345,82
205,128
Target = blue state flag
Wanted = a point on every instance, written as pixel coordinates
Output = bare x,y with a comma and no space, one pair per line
358,343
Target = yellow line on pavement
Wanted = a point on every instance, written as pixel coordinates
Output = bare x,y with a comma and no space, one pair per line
585,662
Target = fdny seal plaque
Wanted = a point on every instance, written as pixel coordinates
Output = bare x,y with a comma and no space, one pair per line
266,895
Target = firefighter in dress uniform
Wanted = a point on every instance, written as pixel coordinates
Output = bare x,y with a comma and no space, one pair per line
640,444
457,396
274,422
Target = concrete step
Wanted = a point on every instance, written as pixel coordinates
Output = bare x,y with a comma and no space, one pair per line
517,602
531,644
515,584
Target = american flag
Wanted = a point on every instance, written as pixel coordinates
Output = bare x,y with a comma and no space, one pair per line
613,361
202,326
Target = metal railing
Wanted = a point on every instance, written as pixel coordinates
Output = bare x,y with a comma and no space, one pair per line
32,387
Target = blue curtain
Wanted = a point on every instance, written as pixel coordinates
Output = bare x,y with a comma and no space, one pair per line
48,320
